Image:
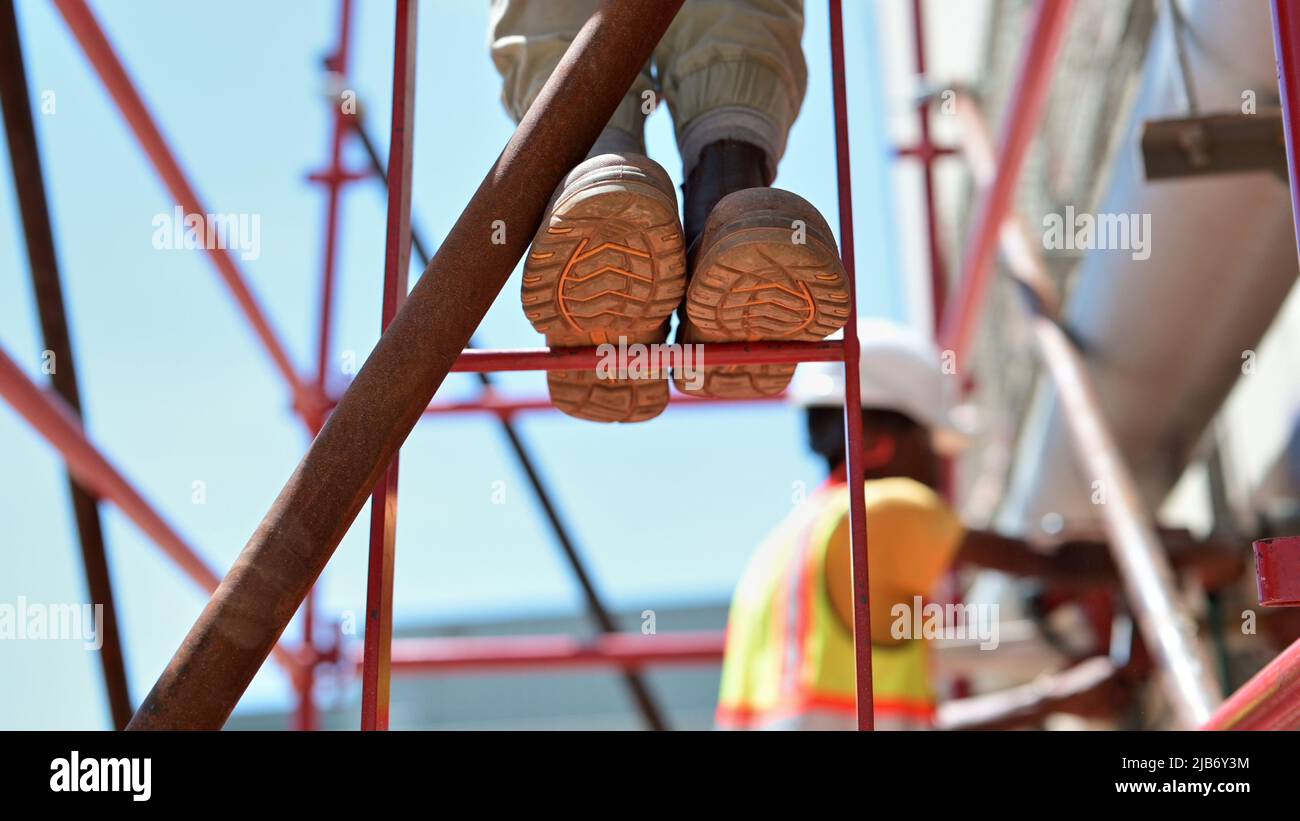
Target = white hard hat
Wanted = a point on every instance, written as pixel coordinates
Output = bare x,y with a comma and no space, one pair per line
899,370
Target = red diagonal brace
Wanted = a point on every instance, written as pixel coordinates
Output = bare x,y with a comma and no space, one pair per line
1028,97
53,420
111,72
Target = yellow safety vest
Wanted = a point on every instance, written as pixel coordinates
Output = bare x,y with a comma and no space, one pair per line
789,659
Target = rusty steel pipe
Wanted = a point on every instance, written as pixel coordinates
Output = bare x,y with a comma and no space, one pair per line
295,540
1143,564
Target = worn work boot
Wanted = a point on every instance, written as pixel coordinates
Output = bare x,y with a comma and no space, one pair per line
608,262
764,267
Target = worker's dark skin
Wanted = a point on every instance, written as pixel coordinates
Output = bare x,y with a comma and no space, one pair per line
896,447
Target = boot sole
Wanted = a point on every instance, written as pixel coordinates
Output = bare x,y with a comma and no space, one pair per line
585,395
608,262
756,283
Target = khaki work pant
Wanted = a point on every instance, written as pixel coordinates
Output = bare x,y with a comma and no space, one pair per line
728,69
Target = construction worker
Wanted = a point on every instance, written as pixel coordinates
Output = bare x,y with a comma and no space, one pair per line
612,261
789,660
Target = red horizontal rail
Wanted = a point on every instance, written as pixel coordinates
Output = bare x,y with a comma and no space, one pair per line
52,419
1269,701
925,151
710,354
553,652
509,406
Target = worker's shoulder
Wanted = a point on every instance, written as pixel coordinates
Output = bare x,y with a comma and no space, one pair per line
901,490
892,493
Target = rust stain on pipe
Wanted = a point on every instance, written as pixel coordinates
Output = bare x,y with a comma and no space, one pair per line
295,540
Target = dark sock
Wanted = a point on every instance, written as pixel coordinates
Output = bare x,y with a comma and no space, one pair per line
725,167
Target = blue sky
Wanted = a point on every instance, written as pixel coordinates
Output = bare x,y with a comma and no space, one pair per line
176,389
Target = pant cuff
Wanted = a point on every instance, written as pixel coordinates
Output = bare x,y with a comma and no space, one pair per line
733,99
731,123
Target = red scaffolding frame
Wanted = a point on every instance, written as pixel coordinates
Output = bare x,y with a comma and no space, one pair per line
1276,699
